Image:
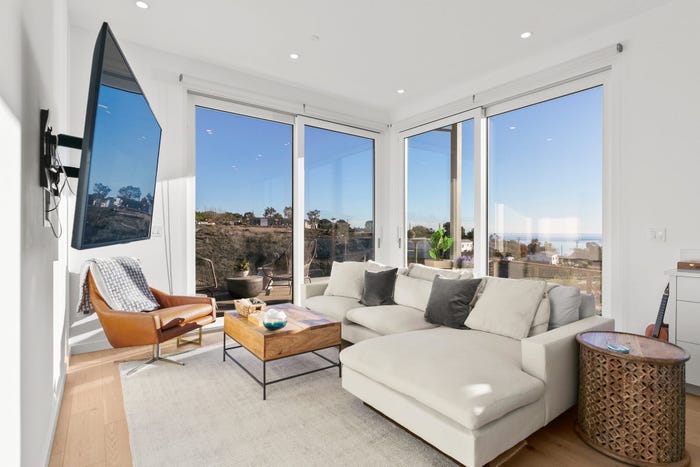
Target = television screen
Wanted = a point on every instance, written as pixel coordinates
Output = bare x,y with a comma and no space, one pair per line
119,160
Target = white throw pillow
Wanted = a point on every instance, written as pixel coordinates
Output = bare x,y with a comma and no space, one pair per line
412,292
347,279
540,323
507,307
375,266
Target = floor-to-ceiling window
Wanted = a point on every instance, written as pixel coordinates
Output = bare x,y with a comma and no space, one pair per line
440,193
243,200
338,198
534,207
545,191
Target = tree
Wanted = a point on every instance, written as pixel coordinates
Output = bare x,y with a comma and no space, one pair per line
130,192
101,191
470,235
313,217
248,217
269,212
277,218
288,212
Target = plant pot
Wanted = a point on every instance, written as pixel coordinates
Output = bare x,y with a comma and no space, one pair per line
439,263
240,273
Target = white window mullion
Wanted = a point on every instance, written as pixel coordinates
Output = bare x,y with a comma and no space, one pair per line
481,245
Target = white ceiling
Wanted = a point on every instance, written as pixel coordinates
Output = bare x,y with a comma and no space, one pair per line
367,49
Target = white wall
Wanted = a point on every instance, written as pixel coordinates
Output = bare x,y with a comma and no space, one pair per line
655,145
158,73
34,56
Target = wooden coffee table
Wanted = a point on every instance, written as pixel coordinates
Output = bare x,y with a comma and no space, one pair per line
306,331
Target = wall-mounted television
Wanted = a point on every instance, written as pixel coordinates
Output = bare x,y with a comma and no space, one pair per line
119,160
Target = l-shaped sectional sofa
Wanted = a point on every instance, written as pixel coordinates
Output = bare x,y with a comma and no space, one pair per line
470,393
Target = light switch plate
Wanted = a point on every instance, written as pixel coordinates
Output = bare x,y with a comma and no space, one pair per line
657,233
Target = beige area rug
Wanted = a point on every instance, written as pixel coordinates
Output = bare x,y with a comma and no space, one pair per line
211,413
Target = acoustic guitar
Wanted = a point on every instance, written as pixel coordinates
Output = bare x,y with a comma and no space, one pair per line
659,330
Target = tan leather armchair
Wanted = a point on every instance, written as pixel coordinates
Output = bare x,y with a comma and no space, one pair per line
178,315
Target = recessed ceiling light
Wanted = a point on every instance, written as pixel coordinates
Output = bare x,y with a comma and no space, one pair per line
141,4
294,56
525,35
400,91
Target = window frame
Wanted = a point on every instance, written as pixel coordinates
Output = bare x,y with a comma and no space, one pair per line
301,122
603,77
455,177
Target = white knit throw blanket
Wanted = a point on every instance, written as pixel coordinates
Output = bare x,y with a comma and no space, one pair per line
120,282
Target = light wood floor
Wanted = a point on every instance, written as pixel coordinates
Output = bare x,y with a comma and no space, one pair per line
92,429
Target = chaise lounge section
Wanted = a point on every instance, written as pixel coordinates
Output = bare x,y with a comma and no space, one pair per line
471,393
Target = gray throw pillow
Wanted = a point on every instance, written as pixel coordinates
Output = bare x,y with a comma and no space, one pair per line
379,288
449,301
564,302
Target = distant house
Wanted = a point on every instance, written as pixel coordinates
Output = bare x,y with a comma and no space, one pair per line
466,246
546,257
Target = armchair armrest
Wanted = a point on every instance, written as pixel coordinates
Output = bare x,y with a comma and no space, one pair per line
167,300
127,328
553,358
316,287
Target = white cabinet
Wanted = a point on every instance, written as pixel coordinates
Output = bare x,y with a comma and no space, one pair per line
683,317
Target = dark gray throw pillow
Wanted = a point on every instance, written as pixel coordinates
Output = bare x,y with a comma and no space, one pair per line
449,301
379,287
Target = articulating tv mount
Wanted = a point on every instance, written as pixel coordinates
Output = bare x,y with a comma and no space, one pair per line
50,167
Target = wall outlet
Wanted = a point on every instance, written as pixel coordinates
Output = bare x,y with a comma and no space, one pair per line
657,234
157,230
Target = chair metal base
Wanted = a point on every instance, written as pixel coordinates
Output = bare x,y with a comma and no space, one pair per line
155,358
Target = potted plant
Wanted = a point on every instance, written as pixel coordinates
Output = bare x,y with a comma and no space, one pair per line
440,247
241,268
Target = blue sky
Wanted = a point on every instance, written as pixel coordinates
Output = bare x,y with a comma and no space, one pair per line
245,164
125,144
545,169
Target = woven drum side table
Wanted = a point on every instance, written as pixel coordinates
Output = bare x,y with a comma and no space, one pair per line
631,407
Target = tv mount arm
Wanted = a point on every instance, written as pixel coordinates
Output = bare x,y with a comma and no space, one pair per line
49,167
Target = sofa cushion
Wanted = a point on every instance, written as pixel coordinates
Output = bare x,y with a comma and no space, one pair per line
389,319
412,292
564,303
379,288
448,303
540,322
507,307
347,279
333,307
587,307
427,273
471,377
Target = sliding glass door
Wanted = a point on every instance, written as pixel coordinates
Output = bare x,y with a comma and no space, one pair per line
243,203
440,192
338,195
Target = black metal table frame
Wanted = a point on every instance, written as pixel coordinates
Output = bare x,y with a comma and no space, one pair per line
264,383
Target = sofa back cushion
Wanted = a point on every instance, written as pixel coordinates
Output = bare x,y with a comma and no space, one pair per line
564,305
507,307
347,279
379,288
587,308
449,301
412,292
540,322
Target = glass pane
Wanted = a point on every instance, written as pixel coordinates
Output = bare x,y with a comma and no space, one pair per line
339,199
545,191
243,206
429,178
427,189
